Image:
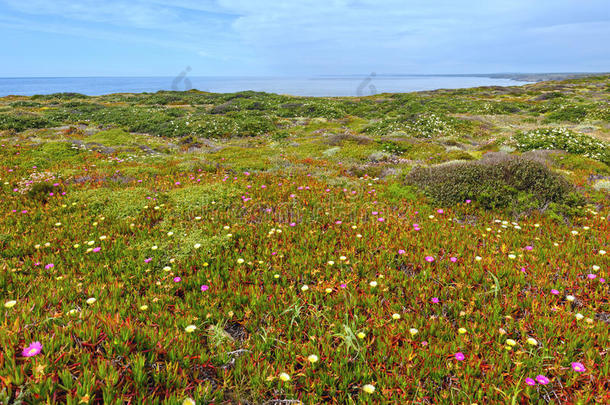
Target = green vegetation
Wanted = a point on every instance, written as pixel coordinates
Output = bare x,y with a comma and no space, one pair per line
258,248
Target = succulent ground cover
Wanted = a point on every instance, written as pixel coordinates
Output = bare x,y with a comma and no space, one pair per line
255,248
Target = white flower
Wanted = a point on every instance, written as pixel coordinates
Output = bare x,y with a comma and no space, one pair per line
478,258
570,298
368,388
602,252
90,301
284,377
197,245
395,316
532,341
190,329
305,288
413,331
330,262
579,316
312,358
595,267
155,247
10,304
189,401
240,260
373,283
511,342
143,307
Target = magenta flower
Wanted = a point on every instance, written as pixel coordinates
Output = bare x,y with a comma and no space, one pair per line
453,259
579,367
542,379
32,350
529,248
380,219
429,259
468,201
177,279
343,285
440,211
435,300
293,224
530,381
97,249
205,287
459,356
401,251
148,260
554,292
49,266
591,276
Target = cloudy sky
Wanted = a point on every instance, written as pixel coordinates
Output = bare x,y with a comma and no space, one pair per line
301,37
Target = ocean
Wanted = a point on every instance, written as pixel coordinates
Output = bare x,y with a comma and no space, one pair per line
323,86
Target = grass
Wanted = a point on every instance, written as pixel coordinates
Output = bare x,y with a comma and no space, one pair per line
215,270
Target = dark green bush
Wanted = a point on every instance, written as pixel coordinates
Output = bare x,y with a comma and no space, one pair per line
514,183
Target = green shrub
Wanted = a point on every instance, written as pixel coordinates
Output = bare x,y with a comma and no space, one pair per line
21,122
564,139
515,183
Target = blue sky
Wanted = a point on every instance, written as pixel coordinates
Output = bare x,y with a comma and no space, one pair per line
301,38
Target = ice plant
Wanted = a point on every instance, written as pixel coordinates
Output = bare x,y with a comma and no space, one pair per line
368,388
204,287
190,329
530,381
284,377
579,367
10,304
32,350
312,358
459,356
91,301
542,379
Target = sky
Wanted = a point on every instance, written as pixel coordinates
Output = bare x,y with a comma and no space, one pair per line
298,38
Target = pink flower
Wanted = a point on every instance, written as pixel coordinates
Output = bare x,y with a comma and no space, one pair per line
429,259
435,300
440,211
591,276
205,287
459,356
177,279
453,259
401,251
49,266
343,285
32,350
293,224
468,201
148,260
177,183
554,292
380,219
542,379
338,222
602,280
97,249
529,248
579,367
530,381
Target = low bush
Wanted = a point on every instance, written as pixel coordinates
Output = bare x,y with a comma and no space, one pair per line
513,183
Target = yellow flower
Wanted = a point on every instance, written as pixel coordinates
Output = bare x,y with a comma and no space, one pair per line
570,298
167,268
143,307
532,341
10,304
276,276
284,377
190,329
395,316
413,331
368,388
91,301
461,331
312,358
361,335
329,290
510,342
189,401
240,260
197,245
